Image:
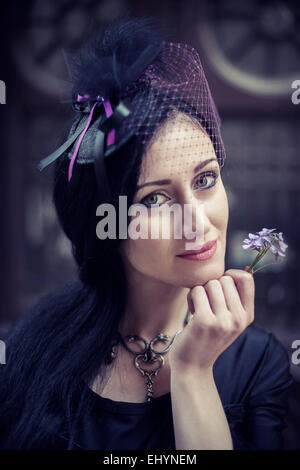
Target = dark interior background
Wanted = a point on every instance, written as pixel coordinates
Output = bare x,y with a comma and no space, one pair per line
251,55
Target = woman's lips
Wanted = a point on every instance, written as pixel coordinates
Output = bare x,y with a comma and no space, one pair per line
203,255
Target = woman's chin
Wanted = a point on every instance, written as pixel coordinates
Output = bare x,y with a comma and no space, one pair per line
201,275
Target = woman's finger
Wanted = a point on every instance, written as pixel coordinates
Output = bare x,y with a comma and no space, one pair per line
231,294
215,296
190,303
201,303
238,316
246,288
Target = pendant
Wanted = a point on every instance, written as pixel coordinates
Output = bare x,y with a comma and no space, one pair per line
149,355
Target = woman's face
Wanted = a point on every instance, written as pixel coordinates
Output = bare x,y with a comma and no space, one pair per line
176,151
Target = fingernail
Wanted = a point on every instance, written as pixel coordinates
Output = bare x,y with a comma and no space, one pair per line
247,267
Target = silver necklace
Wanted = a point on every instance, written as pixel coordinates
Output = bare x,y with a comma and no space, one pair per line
147,355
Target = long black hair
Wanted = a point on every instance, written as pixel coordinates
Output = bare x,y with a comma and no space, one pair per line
62,342
60,346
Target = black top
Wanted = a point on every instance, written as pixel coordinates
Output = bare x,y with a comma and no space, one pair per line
253,380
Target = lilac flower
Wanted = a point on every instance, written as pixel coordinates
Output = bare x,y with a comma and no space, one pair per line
279,247
257,242
252,243
263,241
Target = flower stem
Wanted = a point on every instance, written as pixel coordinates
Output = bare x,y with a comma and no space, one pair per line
269,264
262,254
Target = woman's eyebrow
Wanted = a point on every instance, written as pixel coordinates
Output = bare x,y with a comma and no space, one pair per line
168,181
204,163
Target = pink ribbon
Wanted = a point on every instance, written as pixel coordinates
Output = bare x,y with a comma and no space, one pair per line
108,112
111,134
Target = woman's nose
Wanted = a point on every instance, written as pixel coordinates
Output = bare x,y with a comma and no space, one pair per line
195,221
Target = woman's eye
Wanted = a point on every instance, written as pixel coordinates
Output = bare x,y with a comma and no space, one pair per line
153,199
209,179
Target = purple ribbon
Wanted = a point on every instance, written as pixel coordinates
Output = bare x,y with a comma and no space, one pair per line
111,134
108,112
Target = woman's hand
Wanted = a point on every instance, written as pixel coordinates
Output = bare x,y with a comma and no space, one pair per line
222,308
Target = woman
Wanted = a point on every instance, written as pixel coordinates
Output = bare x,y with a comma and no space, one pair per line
152,348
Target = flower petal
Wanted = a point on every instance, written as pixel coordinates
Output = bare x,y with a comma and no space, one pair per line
265,231
268,238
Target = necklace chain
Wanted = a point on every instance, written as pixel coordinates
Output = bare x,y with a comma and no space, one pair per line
148,355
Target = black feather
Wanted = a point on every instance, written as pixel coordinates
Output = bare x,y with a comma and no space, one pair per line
105,65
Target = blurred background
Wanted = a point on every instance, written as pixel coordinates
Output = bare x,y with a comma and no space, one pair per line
250,52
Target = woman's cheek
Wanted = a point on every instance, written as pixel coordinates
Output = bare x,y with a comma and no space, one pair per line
221,210
140,249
